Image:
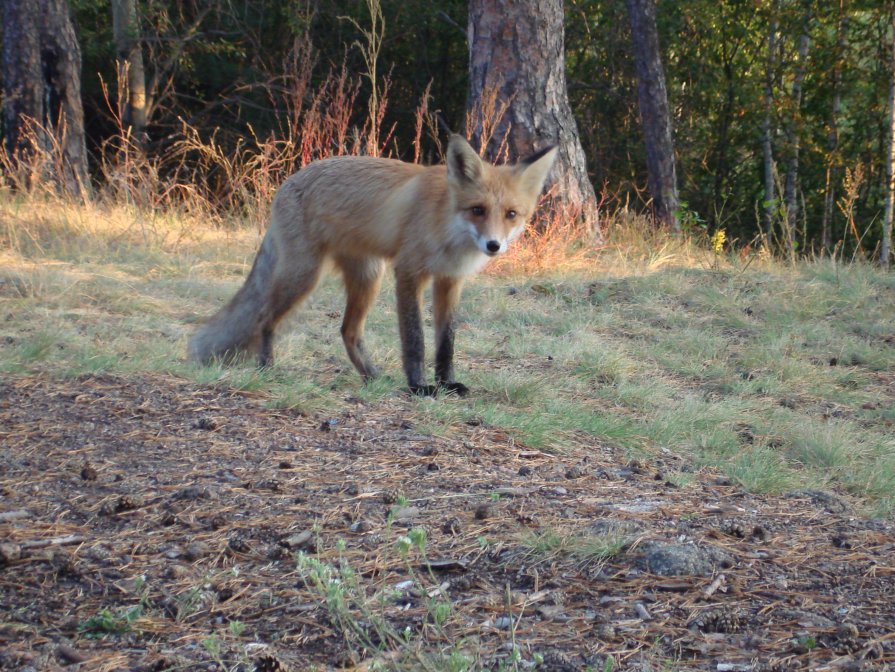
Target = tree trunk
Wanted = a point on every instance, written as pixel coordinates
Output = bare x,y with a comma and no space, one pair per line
767,145
833,163
518,102
885,251
794,133
131,73
42,83
22,77
655,117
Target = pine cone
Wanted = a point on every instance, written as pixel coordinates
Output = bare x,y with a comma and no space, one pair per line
270,664
719,619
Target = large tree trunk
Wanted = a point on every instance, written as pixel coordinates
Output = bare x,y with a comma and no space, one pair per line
22,80
131,73
655,117
42,83
885,251
518,102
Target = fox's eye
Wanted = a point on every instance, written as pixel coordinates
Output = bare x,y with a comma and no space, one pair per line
477,211
511,214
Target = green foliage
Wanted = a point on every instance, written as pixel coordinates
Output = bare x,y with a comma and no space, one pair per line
108,622
233,71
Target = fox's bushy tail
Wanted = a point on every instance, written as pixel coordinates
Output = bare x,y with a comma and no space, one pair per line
235,330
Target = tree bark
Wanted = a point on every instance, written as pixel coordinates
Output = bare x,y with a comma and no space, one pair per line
885,251
833,163
767,145
794,133
518,103
131,72
655,117
42,83
22,81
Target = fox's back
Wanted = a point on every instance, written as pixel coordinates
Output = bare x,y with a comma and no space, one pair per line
360,205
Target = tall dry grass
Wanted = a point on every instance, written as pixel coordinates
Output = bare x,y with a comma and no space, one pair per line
209,180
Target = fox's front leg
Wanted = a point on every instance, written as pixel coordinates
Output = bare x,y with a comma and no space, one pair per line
445,297
409,291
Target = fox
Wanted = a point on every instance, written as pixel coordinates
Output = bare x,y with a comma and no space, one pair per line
436,224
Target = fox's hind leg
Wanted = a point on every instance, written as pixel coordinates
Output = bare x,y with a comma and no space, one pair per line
290,284
362,277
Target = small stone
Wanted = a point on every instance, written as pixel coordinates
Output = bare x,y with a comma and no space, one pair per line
195,550
405,513
360,526
300,541
9,553
178,571
193,492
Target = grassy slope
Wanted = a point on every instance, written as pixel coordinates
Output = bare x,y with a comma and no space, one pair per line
782,376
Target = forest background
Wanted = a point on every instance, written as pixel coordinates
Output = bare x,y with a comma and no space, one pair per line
779,108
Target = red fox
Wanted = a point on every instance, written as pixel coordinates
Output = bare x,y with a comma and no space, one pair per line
435,223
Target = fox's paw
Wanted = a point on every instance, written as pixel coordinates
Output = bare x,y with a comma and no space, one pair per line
455,388
424,390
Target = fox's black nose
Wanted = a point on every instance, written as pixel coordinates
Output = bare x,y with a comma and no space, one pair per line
493,246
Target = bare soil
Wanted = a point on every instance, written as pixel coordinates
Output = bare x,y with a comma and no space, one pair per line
153,525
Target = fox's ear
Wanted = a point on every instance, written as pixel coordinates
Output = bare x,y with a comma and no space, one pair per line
535,169
463,164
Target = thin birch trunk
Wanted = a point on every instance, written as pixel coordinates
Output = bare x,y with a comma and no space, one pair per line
131,71
885,251
794,131
767,146
833,168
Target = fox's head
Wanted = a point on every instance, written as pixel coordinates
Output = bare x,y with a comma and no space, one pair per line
494,202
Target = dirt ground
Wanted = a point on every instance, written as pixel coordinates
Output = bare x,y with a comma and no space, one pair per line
154,525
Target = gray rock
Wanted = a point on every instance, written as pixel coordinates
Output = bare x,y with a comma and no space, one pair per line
673,559
821,499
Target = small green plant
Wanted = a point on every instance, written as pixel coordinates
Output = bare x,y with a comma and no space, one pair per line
808,642
108,622
212,644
